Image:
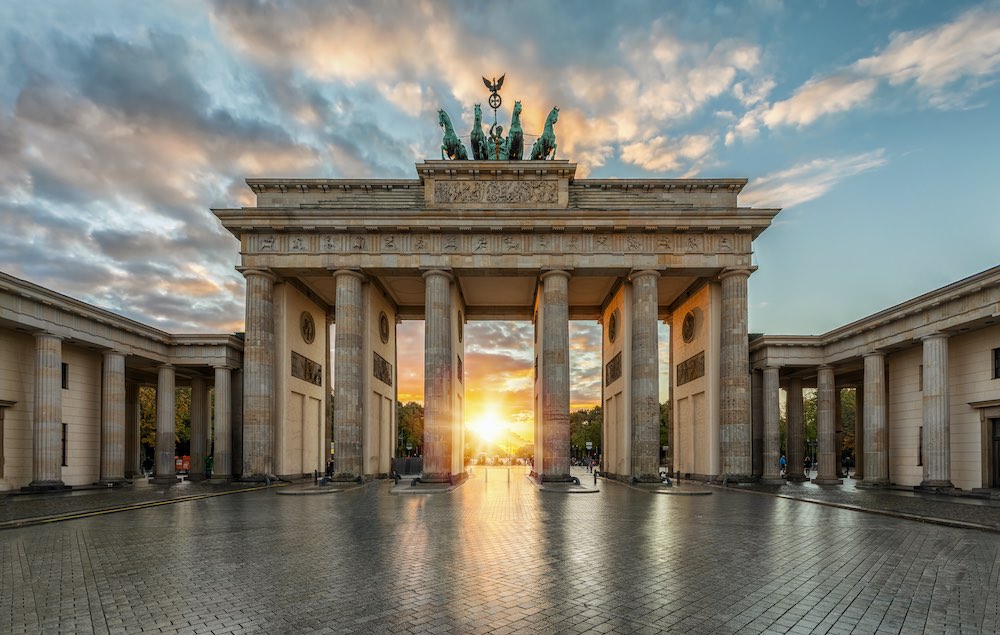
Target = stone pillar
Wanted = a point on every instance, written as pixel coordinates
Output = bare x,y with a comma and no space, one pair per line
645,384
826,393
937,422
199,429
258,365
838,427
438,360
859,433
222,466
166,426
757,420
47,429
133,434
734,415
113,418
876,427
772,428
555,377
794,432
348,377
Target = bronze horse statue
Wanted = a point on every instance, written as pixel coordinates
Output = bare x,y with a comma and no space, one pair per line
515,138
478,138
547,142
451,146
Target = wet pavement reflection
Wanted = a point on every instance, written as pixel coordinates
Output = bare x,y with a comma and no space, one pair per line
497,555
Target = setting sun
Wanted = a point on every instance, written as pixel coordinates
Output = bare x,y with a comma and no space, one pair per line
487,427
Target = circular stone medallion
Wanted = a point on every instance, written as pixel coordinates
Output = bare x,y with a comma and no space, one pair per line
613,327
687,327
308,327
461,326
383,327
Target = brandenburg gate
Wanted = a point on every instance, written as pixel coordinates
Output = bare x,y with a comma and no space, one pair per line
485,239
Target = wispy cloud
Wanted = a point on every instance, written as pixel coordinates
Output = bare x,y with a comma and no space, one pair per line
808,181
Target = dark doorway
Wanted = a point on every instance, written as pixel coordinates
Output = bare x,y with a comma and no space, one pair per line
995,425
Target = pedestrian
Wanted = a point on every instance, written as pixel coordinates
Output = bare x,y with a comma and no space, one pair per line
782,465
147,467
809,464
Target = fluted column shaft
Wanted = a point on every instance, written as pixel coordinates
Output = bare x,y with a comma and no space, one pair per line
113,418
876,428
236,423
757,420
795,432
258,368
166,425
199,429
645,377
937,422
348,402
735,432
222,467
438,389
47,428
555,376
133,440
859,433
772,426
826,427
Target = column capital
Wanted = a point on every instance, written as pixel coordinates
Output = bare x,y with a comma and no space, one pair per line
222,367
728,273
566,273
936,335
873,354
165,365
251,271
437,272
45,334
108,352
639,273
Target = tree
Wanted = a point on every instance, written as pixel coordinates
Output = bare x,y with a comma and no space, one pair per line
410,419
182,419
585,425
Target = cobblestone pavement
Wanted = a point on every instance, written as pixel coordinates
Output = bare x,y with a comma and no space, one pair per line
498,558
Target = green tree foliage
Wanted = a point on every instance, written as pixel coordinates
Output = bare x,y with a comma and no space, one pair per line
848,417
410,419
585,425
147,419
665,423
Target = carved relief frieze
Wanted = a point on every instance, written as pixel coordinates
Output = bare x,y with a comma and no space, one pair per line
306,369
298,243
389,243
329,243
691,369
381,369
495,192
613,369
359,243
267,242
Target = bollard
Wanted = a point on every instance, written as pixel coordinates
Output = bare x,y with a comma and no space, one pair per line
315,477
595,478
677,478
508,475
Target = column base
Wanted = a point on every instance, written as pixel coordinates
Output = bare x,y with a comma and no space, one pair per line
820,480
874,483
772,480
646,478
555,478
437,477
935,486
256,478
45,486
197,478
220,480
735,479
796,478
165,480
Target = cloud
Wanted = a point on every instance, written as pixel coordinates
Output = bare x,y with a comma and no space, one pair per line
661,154
807,181
947,65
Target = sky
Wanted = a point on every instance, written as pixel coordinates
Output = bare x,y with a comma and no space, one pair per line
873,124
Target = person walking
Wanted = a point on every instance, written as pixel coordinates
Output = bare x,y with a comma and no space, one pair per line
782,466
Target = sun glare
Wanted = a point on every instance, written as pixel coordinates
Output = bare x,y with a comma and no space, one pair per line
487,427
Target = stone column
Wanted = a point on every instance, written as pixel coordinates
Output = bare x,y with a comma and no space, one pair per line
133,435
734,415
826,427
555,377
222,456
645,383
258,366
199,429
47,429
348,377
937,422
438,360
166,426
113,418
859,433
876,428
772,428
794,432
